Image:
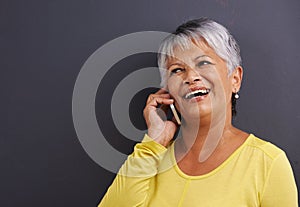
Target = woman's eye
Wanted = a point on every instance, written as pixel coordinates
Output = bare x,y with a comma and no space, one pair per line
204,63
176,70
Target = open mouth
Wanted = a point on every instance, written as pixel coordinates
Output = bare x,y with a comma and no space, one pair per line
197,93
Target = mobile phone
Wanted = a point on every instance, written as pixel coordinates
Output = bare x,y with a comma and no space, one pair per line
175,114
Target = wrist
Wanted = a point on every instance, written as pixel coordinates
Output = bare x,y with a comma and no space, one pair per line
158,139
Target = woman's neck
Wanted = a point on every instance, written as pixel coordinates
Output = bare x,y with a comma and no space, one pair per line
202,137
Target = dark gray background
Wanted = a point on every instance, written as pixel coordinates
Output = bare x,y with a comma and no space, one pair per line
43,45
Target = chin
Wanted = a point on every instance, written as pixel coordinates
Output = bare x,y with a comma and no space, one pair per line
194,113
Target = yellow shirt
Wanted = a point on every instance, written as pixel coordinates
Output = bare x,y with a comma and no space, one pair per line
257,174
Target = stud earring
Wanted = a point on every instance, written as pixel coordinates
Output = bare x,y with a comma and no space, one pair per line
236,95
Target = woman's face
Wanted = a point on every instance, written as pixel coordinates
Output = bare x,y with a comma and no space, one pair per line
198,80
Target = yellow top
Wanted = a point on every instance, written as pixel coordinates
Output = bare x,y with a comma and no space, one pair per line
257,174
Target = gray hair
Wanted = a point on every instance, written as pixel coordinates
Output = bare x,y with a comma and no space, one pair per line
215,35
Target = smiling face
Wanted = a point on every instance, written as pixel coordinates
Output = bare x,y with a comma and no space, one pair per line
198,80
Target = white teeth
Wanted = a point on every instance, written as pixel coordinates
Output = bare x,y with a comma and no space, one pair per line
203,91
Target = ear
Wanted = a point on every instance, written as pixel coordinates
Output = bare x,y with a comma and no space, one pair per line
236,79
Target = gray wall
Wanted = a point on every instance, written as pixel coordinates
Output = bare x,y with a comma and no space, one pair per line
43,45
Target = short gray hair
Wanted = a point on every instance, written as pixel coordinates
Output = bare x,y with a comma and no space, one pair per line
216,36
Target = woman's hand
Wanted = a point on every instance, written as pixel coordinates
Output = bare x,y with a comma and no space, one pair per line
161,131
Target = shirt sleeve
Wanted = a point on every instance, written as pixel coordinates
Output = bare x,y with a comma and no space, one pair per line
280,188
131,185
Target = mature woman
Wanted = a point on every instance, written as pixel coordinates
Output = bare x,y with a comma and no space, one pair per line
211,162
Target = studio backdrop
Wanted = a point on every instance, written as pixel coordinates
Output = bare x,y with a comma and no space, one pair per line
75,76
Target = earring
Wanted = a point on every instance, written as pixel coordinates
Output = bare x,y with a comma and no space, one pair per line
236,95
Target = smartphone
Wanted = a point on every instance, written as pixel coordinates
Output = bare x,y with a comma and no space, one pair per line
175,114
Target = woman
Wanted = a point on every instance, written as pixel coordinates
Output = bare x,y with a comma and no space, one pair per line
211,163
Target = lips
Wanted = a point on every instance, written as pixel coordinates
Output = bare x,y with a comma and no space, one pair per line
196,92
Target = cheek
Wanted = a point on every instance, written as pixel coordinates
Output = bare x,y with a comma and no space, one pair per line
227,89
172,91
173,85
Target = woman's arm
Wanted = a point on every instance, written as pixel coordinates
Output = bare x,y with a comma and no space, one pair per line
131,185
280,188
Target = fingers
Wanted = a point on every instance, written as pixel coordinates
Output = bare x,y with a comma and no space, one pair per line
165,95
155,100
160,97
161,91
159,128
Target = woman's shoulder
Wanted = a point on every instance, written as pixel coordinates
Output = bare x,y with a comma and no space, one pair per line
265,147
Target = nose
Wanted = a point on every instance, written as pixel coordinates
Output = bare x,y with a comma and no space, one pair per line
192,76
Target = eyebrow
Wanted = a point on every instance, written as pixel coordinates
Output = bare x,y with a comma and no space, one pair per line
195,59
176,63
201,57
